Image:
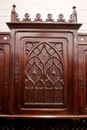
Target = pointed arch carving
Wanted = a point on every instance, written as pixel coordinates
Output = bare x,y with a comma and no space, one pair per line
44,73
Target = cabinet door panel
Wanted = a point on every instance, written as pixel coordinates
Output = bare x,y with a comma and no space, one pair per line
83,78
4,77
43,81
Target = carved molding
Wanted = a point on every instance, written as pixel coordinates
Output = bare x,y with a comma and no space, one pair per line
14,17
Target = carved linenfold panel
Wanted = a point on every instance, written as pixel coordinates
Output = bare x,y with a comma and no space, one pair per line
44,73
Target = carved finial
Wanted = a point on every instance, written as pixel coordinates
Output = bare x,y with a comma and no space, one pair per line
38,17
27,17
14,15
49,18
61,16
73,16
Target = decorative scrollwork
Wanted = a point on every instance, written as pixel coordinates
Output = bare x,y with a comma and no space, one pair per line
49,18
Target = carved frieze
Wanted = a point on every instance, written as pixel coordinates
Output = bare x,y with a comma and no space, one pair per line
14,17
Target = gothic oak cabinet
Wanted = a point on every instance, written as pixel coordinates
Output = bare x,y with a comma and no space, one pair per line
43,68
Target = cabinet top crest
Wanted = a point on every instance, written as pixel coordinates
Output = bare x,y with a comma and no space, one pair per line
38,22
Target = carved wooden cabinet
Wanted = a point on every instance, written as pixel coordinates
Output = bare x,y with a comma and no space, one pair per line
43,73
45,68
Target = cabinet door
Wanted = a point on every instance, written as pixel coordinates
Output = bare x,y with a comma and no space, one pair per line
4,77
43,74
82,50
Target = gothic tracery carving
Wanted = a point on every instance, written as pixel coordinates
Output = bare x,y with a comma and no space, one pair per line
44,69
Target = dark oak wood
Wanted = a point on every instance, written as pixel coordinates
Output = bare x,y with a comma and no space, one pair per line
43,67
4,71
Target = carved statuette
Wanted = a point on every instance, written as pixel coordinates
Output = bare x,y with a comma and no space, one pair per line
49,18
61,16
38,17
73,16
